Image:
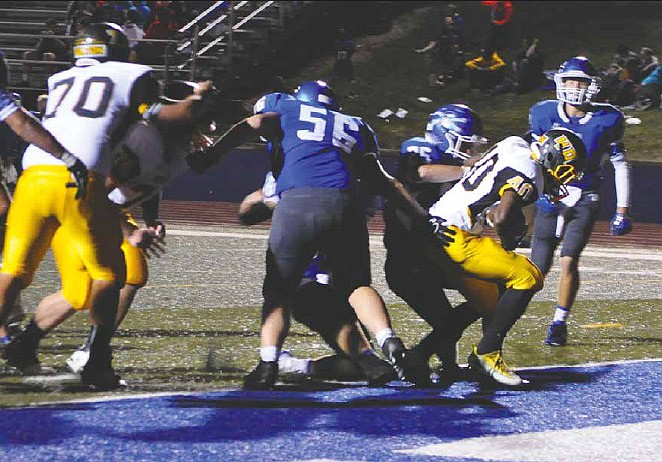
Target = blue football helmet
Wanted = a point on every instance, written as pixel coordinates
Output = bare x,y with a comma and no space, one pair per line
577,68
317,92
452,125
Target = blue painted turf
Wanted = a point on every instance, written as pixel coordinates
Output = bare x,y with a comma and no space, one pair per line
348,423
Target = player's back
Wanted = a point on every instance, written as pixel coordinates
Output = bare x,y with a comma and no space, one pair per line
507,165
86,104
317,143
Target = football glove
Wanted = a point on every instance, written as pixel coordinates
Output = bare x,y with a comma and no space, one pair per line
620,224
441,233
78,172
545,205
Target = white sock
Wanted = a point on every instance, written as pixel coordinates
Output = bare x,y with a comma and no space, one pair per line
269,353
561,314
384,335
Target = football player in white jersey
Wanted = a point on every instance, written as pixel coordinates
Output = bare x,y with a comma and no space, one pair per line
143,162
26,127
508,177
89,107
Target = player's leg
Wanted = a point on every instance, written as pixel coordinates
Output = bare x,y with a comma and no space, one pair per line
93,231
484,258
581,220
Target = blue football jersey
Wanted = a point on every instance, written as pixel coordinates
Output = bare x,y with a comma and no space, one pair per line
318,143
429,152
601,130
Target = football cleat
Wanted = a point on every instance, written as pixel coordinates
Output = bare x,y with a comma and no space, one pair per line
77,361
263,377
492,365
377,371
293,369
406,365
24,359
557,335
98,372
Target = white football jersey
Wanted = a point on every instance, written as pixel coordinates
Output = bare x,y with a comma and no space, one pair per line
508,165
85,106
159,162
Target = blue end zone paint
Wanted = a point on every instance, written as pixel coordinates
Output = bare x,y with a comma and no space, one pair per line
348,423
242,171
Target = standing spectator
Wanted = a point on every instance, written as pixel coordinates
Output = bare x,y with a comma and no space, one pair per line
601,128
343,68
500,15
318,210
134,32
446,52
161,28
486,71
47,49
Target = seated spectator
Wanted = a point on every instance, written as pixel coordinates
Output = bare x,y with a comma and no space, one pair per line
648,62
46,49
617,88
528,71
134,32
486,71
649,91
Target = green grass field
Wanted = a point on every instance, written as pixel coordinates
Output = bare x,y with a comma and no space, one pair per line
391,75
185,349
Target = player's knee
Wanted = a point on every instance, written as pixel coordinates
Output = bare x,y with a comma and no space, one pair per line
528,278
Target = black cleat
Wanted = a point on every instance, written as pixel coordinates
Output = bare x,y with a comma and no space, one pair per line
395,351
263,377
101,379
21,357
377,371
98,373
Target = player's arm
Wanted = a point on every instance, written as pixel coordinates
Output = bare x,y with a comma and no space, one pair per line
508,220
266,124
621,222
438,173
260,204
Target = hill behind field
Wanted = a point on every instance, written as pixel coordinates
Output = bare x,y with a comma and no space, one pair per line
390,75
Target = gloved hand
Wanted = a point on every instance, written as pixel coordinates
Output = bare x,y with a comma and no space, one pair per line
441,232
620,224
546,206
78,172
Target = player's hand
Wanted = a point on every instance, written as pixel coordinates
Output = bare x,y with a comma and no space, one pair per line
620,224
78,172
441,233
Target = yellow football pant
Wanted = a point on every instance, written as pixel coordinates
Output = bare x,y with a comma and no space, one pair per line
42,205
76,282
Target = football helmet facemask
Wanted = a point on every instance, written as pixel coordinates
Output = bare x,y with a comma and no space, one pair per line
577,68
452,125
103,41
317,92
563,156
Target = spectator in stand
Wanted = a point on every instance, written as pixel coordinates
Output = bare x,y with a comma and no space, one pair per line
134,32
649,62
486,71
161,28
47,49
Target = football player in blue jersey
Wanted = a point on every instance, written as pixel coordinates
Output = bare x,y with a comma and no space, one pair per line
600,126
320,307
325,152
451,137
